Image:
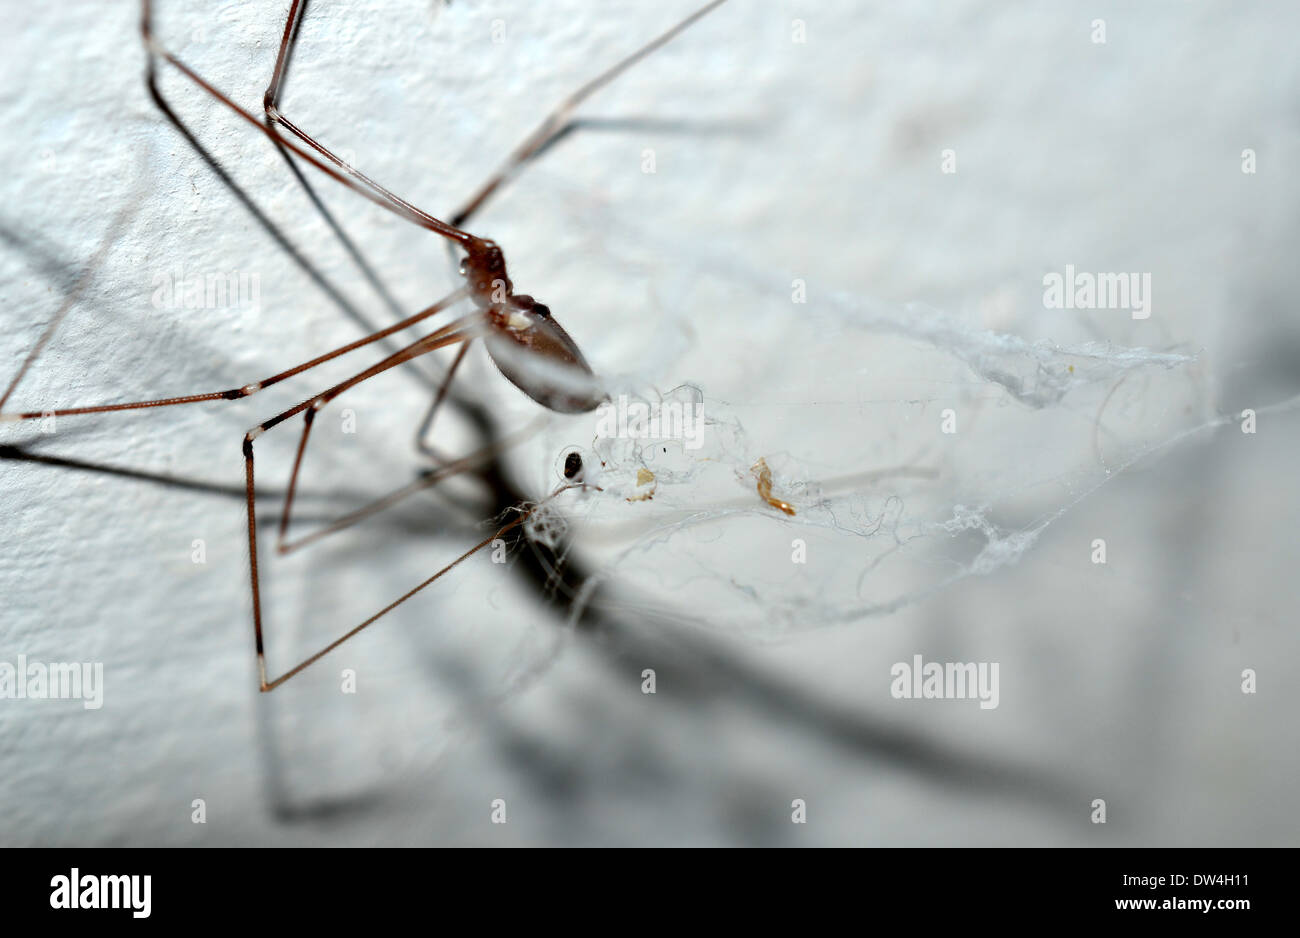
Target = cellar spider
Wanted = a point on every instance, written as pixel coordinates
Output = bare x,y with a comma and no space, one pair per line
521,336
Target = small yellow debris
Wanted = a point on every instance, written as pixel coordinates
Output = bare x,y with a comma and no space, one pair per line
765,487
644,477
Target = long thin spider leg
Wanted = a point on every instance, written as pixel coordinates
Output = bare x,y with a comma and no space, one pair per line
421,435
559,123
271,105
292,23
291,250
271,102
250,498
350,246
556,124
524,514
468,463
458,331
349,177
271,98
248,389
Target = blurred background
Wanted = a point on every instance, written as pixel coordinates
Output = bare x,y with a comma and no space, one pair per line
828,223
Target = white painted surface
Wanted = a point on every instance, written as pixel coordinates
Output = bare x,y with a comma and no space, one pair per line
822,163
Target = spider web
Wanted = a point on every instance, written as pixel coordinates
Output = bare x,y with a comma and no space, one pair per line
911,511
923,295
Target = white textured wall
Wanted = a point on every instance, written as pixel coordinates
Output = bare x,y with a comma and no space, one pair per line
816,160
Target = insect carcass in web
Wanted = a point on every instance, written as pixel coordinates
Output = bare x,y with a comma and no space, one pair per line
529,347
